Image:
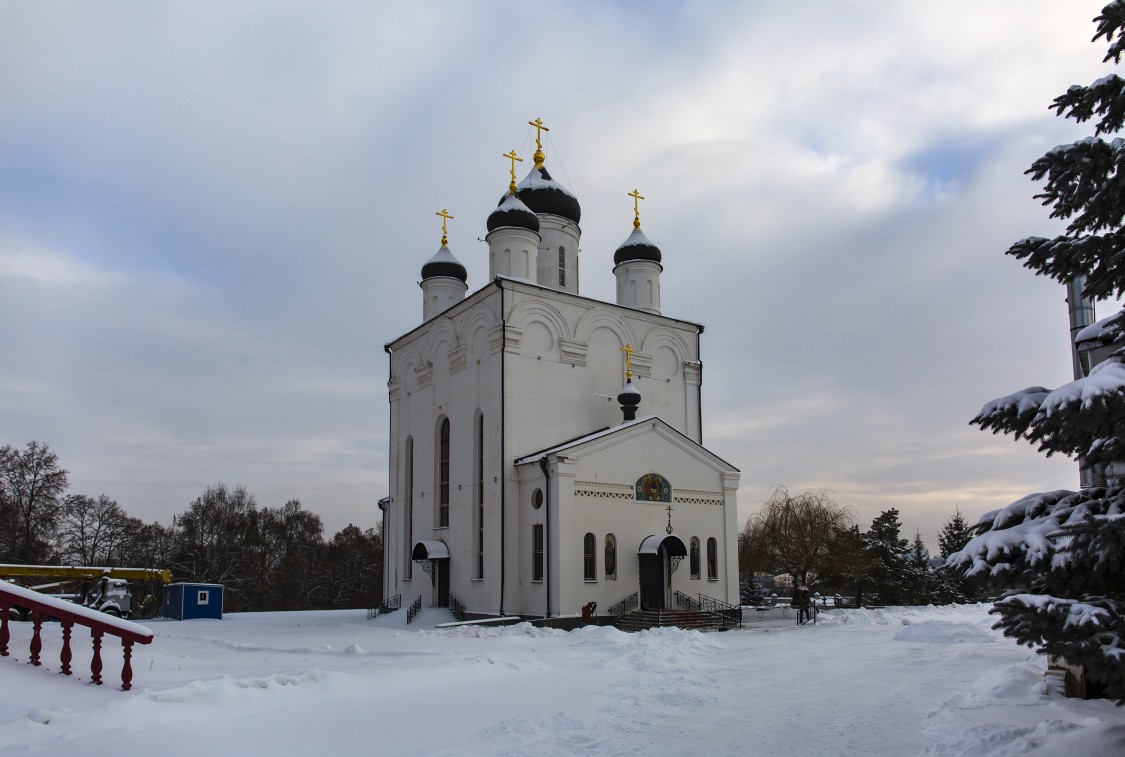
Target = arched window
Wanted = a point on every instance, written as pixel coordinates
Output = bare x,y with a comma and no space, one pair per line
589,562
537,552
443,474
694,558
479,530
610,557
408,505
712,559
562,266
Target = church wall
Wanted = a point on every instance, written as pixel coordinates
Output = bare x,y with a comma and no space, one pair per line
552,373
565,367
595,494
449,368
558,234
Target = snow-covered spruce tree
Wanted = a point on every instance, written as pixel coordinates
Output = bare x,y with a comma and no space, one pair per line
1061,555
955,534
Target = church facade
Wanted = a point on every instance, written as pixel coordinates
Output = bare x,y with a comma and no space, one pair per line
546,448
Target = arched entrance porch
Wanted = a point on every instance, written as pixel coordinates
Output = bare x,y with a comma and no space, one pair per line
433,556
659,556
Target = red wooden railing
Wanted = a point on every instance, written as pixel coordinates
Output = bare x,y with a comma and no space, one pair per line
42,606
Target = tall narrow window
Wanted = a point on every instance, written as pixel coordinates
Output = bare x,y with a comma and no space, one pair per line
443,474
562,266
712,559
408,506
480,496
589,559
610,557
693,558
537,552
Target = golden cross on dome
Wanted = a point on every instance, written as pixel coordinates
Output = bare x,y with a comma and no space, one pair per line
637,197
512,156
444,234
539,157
628,350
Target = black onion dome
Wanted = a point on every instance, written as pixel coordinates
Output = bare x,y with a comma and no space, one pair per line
629,396
636,247
511,212
444,264
544,195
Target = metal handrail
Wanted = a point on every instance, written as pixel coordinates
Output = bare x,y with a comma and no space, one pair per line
413,610
456,606
630,603
387,605
69,615
731,615
684,602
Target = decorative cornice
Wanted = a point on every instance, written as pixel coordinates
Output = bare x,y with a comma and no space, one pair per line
457,357
573,352
496,339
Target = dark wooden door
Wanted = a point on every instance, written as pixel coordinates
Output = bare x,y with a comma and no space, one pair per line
652,582
442,583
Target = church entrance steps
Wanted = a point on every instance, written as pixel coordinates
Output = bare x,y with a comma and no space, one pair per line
639,620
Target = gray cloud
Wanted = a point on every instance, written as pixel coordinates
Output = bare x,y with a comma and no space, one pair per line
212,217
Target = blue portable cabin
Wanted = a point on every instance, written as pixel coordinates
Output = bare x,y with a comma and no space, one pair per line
187,601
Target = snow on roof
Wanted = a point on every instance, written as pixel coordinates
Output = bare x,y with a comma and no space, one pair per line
536,180
443,255
434,549
535,456
651,545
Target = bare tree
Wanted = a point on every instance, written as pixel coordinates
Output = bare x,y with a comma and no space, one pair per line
793,534
31,487
91,531
211,536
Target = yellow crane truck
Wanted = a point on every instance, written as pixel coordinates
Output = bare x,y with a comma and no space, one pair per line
101,588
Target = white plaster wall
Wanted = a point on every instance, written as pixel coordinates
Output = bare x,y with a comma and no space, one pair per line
514,253
565,367
452,368
595,495
638,285
552,375
556,232
439,293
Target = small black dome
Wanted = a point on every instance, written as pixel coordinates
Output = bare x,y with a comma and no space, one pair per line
629,396
512,212
636,247
544,195
444,264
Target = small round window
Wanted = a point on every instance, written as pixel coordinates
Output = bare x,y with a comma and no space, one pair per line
537,498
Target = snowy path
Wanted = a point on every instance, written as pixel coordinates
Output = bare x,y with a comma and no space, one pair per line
334,683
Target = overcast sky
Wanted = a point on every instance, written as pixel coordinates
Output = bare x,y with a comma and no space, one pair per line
213,216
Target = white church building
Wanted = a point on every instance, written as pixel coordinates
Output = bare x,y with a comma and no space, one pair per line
546,449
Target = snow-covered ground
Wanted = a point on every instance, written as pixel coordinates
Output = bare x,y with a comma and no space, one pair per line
899,681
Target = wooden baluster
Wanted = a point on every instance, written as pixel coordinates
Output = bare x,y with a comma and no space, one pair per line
5,635
127,668
36,639
96,663
66,655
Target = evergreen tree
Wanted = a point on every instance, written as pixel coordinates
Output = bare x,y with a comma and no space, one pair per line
955,534
888,555
1062,552
919,554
